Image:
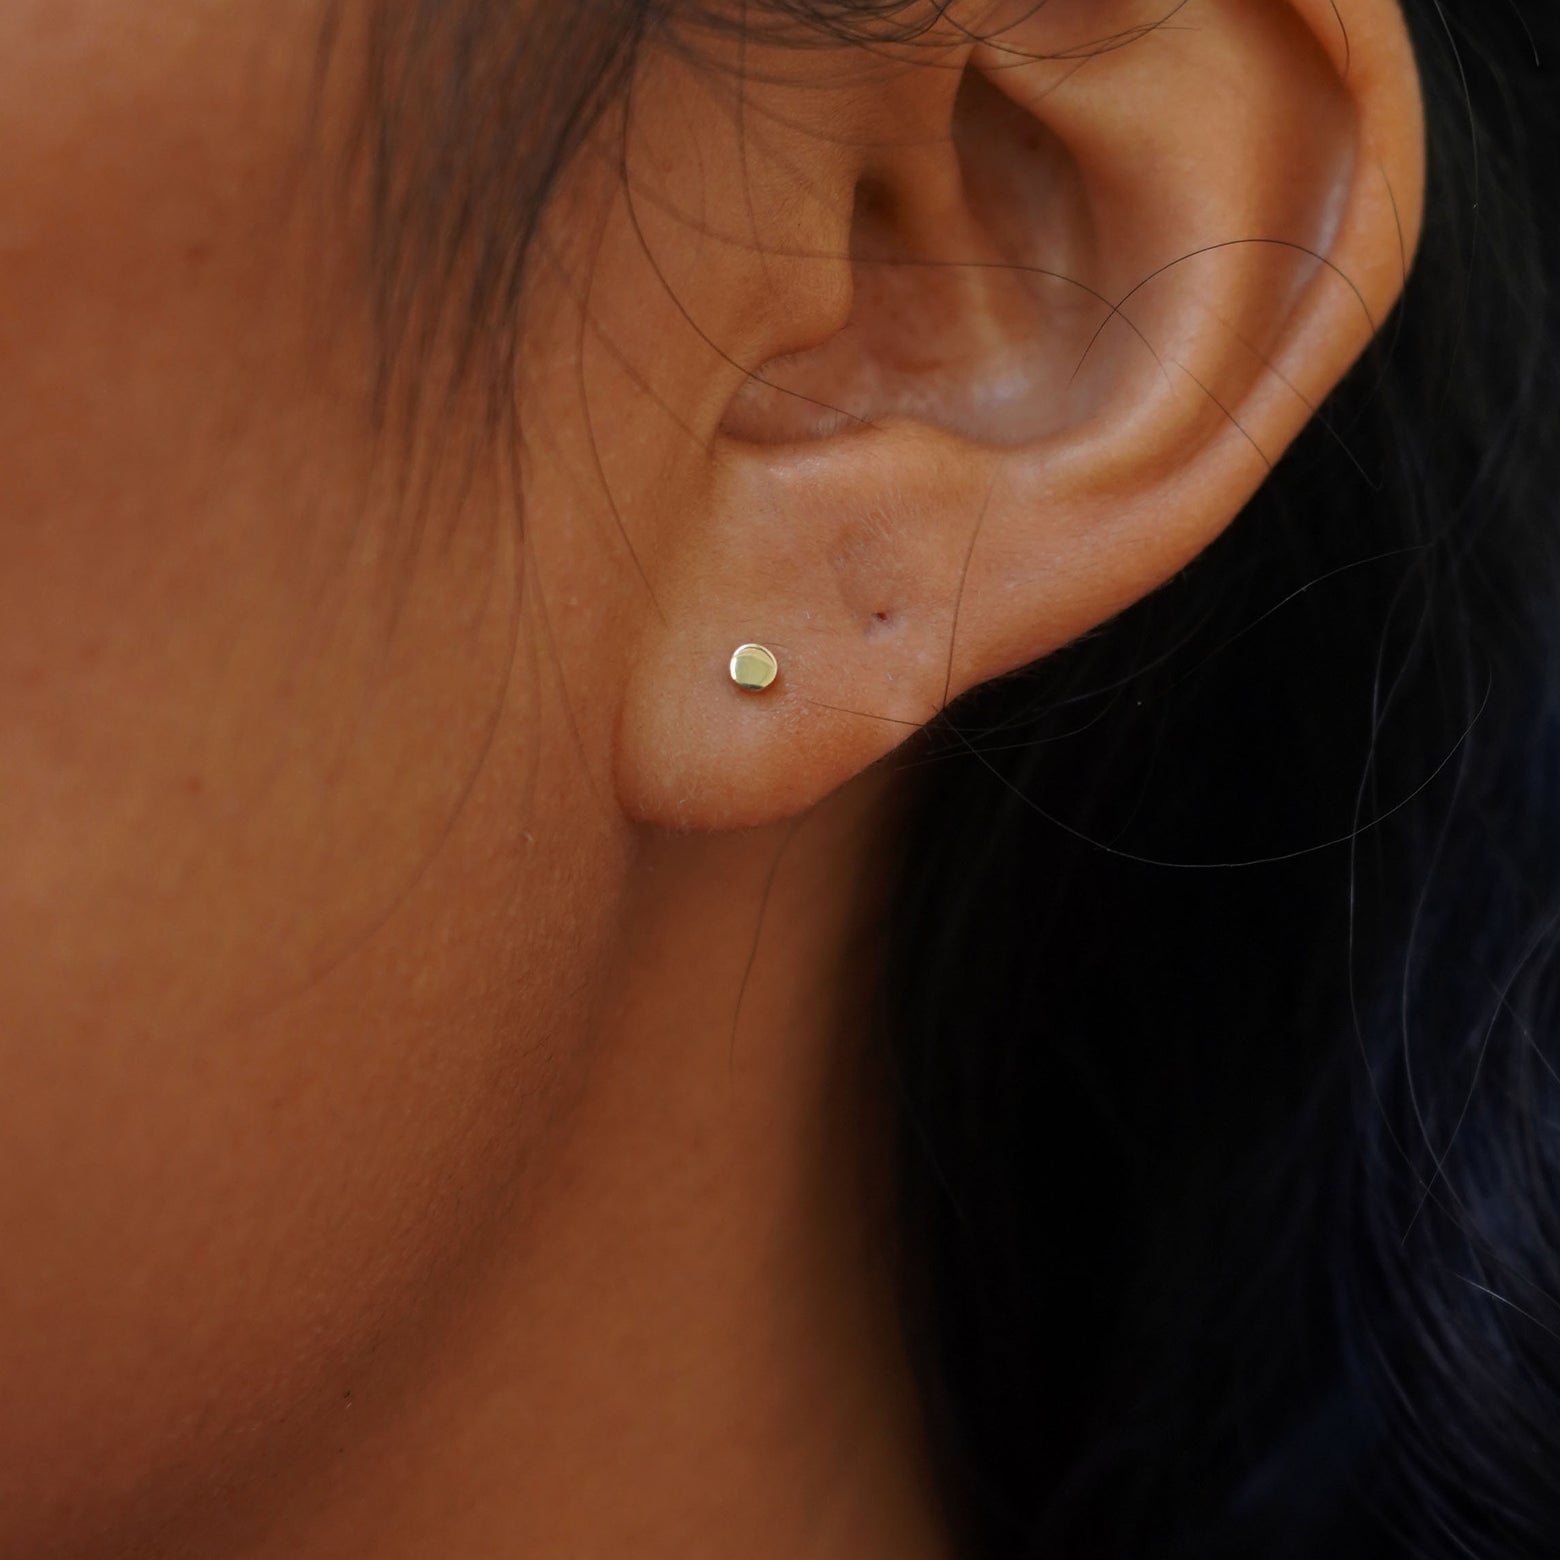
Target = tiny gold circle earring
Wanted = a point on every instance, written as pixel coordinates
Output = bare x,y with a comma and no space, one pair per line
753,668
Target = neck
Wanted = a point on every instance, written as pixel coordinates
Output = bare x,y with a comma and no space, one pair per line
689,1343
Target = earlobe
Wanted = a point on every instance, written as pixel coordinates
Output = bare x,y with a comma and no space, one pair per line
1097,290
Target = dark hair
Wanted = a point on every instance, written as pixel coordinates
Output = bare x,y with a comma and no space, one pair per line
1220,987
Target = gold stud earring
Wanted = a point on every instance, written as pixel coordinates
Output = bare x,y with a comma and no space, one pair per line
753,668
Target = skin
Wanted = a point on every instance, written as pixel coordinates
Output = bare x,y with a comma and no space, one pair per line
436,1118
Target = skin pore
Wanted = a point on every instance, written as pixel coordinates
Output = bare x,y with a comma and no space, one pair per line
433,1001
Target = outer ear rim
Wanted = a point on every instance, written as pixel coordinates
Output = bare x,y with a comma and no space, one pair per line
1340,312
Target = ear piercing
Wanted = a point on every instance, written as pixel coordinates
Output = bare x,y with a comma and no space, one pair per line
753,668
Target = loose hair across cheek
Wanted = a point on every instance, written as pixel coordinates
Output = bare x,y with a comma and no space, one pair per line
468,113
1222,985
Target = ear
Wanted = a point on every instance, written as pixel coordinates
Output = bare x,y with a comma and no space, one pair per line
1034,300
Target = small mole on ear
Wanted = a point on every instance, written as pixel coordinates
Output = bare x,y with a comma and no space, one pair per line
878,622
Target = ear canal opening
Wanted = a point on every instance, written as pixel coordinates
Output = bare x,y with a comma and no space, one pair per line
971,304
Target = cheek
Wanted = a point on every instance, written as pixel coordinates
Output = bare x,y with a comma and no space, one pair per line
269,774
276,1047
213,1237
